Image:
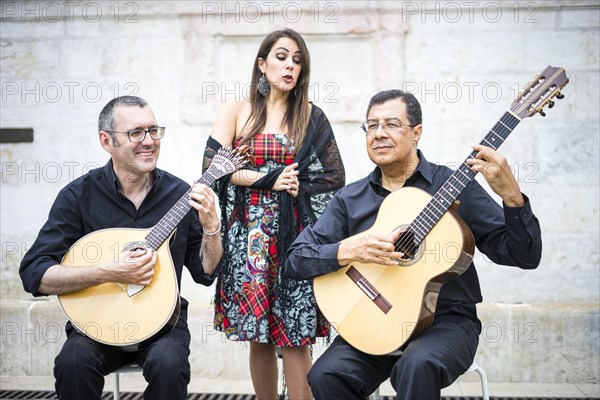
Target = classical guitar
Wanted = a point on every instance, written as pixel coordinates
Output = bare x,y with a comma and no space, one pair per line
380,309
131,316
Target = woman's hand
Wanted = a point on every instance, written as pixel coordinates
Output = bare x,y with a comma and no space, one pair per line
288,180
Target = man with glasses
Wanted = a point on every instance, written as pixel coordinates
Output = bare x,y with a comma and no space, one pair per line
128,192
508,235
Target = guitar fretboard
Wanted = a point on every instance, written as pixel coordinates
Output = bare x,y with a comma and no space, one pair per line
458,181
163,229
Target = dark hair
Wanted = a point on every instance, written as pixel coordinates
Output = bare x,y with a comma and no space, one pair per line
106,120
297,114
413,108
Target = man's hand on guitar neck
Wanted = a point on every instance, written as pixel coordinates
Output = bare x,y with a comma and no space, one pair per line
496,171
374,248
202,198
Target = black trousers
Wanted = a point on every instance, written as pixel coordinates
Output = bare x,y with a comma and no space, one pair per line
82,363
430,362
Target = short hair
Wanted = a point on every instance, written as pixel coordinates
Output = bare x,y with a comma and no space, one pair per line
413,108
106,120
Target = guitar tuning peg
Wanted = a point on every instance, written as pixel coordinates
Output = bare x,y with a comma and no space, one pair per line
551,104
542,113
559,95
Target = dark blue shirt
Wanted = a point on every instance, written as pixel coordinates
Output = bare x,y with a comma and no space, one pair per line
509,236
94,201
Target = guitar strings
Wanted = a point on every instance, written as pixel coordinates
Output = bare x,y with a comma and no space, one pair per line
225,161
406,239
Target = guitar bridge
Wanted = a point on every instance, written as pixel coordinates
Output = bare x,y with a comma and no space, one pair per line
369,290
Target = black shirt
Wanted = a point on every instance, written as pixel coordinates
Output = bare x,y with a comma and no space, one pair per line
510,237
94,201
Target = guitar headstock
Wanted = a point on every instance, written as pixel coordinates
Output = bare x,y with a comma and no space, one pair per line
228,160
540,92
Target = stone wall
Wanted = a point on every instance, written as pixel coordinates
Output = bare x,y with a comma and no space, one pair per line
465,61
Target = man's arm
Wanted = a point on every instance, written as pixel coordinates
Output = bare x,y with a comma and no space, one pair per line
202,199
514,238
41,271
496,171
61,230
212,251
132,267
328,245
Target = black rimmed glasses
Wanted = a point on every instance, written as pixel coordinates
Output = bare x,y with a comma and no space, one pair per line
391,126
138,135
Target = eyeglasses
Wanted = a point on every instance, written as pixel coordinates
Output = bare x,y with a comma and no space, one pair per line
389,126
138,135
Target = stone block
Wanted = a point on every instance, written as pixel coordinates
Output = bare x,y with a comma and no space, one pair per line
582,96
32,335
80,57
579,48
48,321
29,59
15,349
212,355
19,29
520,342
574,19
134,60
575,210
509,284
14,247
539,343
485,50
494,343
563,338
582,147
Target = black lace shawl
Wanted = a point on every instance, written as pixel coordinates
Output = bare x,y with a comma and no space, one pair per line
321,174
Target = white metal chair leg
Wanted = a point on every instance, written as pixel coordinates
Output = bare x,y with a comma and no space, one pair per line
474,367
116,389
484,383
375,395
133,367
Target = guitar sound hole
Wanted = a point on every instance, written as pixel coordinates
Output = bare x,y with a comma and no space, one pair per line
406,244
133,246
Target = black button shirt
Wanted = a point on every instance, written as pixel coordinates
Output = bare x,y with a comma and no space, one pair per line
509,236
94,202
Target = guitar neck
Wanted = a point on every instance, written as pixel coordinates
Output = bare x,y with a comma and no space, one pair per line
458,181
165,227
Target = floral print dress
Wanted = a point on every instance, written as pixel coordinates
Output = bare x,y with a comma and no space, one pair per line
253,300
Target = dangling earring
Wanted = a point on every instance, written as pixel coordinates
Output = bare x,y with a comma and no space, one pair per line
263,85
